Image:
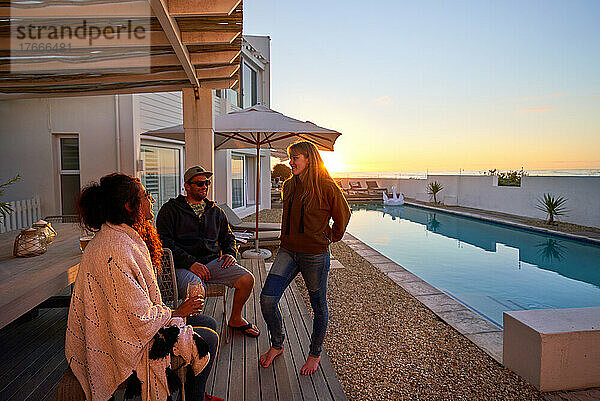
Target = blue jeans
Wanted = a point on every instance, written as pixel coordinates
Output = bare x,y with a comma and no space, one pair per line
314,269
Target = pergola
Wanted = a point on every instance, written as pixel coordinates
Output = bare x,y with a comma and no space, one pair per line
191,45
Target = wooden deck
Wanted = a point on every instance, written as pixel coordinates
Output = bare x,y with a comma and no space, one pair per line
32,355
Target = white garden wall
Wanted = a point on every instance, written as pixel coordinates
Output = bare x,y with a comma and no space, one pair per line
482,192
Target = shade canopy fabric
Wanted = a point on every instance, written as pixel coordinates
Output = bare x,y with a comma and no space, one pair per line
258,125
161,45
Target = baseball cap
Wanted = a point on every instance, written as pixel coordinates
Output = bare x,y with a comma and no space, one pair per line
194,171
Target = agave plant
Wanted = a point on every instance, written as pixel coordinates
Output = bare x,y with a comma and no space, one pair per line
433,188
552,206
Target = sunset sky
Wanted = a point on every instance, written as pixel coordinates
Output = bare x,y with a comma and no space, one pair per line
440,85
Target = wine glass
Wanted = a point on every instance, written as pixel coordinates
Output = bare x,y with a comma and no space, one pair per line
195,290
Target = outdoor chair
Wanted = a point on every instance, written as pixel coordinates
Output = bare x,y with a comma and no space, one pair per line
246,239
357,187
167,283
374,187
339,184
237,224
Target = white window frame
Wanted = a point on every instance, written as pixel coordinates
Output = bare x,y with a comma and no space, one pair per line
59,169
168,144
246,182
257,71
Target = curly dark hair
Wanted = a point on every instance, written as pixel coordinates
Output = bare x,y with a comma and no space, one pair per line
105,202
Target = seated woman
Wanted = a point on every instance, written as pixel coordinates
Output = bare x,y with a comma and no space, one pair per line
118,329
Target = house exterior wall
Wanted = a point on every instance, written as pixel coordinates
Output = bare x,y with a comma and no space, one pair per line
29,143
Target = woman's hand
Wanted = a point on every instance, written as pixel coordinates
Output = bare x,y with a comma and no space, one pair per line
189,306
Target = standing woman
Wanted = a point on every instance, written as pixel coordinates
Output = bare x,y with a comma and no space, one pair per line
118,331
310,199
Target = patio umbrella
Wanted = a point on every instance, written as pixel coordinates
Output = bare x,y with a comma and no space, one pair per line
259,127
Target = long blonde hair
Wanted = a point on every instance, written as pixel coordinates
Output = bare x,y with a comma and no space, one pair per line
315,171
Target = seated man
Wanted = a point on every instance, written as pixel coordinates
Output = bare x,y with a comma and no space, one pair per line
197,232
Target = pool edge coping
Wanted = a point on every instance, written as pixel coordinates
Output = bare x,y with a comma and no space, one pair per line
480,331
506,222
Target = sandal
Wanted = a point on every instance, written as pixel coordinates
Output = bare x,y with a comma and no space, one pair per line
244,329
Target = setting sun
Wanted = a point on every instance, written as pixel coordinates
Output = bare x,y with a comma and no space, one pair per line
333,161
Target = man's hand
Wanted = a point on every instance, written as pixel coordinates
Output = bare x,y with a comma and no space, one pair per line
227,259
200,270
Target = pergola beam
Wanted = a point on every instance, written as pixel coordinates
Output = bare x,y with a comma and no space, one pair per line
113,91
209,38
220,84
223,73
121,9
156,39
217,72
205,58
131,62
171,30
202,8
116,78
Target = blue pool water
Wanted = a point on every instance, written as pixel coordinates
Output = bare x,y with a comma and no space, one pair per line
488,267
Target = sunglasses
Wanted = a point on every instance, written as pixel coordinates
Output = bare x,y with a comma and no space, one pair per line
199,184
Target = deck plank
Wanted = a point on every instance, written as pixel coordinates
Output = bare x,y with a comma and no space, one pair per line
268,387
294,342
326,374
47,390
251,366
30,378
27,343
303,331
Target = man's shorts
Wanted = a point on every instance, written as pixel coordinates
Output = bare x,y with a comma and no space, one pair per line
218,275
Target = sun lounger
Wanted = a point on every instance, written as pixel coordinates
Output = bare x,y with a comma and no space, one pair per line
374,186
237,224
246,239
357,187
339,184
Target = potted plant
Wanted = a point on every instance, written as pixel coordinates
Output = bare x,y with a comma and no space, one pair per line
5,208
552,206
433,188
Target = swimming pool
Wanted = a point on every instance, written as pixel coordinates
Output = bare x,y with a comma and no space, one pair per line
489,267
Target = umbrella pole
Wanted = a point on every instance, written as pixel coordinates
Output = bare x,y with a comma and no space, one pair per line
257,189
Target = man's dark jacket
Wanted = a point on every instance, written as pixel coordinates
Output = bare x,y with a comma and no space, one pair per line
193,239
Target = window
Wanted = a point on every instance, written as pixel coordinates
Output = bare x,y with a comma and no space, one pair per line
243,180
250,86
233,97
162,173
237,181
69,173
251,180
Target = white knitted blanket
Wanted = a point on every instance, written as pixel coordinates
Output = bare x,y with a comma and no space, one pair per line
115,311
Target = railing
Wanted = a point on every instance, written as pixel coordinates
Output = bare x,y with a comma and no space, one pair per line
24,214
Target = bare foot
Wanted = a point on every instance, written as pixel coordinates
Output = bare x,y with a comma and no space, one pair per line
310,366
267,358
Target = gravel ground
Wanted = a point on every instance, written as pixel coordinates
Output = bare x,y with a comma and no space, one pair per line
385,345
